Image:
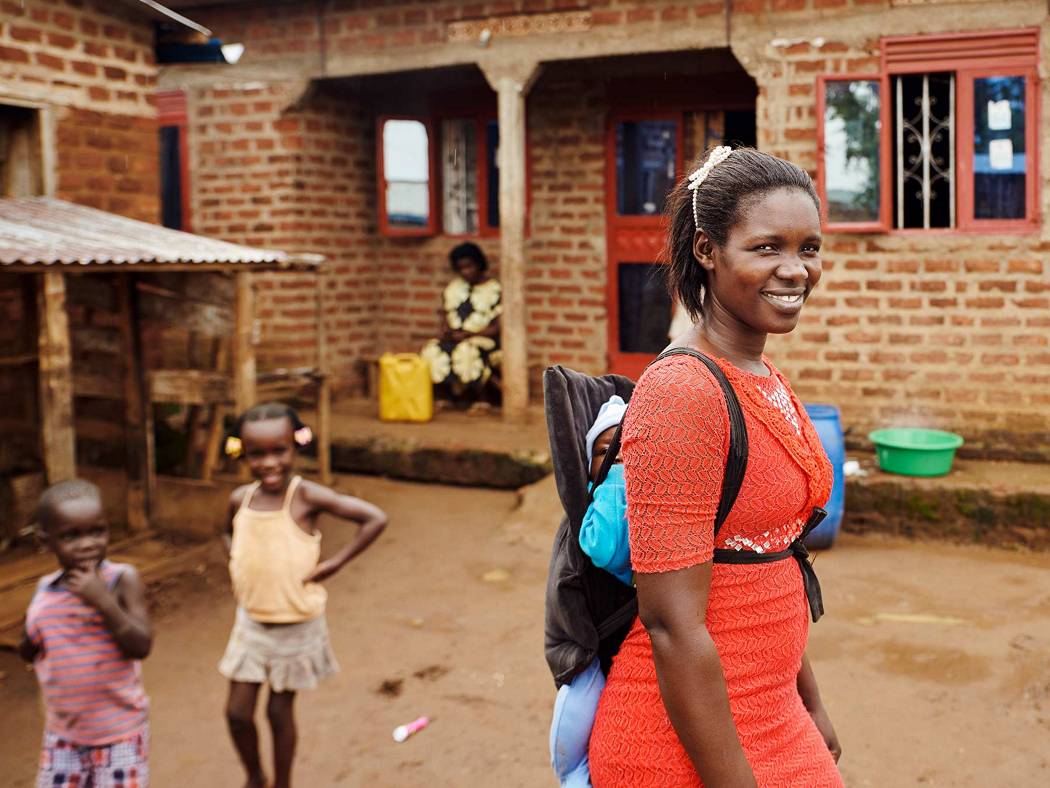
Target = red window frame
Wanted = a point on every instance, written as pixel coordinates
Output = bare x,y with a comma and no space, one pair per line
481,121
964,79
632,237
385,228
972,55
883,223
171,111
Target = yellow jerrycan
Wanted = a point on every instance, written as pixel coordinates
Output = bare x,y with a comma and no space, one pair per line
405,390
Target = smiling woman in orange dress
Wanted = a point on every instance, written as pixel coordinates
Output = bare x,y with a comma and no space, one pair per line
712,685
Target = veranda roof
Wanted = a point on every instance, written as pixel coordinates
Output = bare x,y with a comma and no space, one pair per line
43,232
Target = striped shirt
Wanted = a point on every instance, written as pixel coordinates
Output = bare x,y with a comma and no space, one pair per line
92,692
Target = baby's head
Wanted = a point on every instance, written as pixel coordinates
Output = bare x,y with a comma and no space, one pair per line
601,433
268,436
71,521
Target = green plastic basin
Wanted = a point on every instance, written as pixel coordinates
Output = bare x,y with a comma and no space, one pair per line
915,452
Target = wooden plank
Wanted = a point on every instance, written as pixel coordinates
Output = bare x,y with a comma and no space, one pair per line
210,320
93,429
56,379
216,427
21,360
212,288
324,430
133,389
96,339
244,344
188,386
8,426
92,292
212,444
324,391
98,385
154,559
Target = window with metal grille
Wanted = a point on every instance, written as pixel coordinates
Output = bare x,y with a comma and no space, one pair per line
924,150
944,137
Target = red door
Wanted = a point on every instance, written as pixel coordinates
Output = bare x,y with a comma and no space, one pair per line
643,160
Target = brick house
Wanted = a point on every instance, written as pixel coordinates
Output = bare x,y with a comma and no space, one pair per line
99,314
548,130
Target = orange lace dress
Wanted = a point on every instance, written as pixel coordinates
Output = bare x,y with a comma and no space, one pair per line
675,442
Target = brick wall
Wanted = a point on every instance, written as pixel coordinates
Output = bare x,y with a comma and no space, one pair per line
566,271
941,330
93,63
275,171
288,31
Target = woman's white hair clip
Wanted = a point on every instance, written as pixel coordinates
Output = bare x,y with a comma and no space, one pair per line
696,179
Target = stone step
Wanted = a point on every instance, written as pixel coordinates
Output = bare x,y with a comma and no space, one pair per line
455,447
401,458
1000,504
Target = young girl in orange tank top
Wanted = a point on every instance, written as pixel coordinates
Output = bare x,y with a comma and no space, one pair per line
280,636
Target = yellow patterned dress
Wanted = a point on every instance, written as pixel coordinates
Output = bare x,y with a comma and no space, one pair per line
470,362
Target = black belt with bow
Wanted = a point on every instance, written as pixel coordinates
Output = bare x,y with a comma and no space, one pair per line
796,550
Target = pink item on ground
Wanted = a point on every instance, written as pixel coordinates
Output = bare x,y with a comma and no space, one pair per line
402,732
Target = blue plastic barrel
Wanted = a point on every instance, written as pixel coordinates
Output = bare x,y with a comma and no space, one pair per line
829,427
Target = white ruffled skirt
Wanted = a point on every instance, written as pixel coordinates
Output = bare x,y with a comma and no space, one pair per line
288,657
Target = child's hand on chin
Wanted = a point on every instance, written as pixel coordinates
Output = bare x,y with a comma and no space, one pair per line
86,582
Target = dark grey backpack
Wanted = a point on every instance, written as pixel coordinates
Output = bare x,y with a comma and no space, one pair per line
588,611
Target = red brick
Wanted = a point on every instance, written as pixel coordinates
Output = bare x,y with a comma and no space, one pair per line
30,34
677,13
12,55
84,67
61,40
606,17
50,61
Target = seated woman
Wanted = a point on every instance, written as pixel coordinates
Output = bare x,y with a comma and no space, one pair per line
464,360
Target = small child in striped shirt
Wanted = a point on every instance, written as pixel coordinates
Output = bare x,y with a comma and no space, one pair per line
87,629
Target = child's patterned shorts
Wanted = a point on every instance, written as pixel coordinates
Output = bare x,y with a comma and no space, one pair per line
123,764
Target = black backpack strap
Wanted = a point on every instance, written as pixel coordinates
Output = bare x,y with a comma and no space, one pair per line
609,459
736,459
613,628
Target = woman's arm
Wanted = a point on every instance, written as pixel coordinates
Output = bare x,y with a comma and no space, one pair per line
491,330
672,607
370,519
810,694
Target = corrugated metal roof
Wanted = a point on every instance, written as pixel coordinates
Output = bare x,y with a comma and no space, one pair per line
42,231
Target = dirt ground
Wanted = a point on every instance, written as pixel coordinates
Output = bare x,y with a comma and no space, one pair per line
932,658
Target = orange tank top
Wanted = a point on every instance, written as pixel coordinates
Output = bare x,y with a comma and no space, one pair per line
270,555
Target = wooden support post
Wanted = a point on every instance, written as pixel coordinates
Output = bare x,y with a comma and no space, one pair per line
56,379
244,343
324,394
140,481
512,83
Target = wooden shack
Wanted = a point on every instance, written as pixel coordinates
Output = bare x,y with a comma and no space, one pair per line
124,348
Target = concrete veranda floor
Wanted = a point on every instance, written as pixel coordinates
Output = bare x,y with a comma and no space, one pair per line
931,658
